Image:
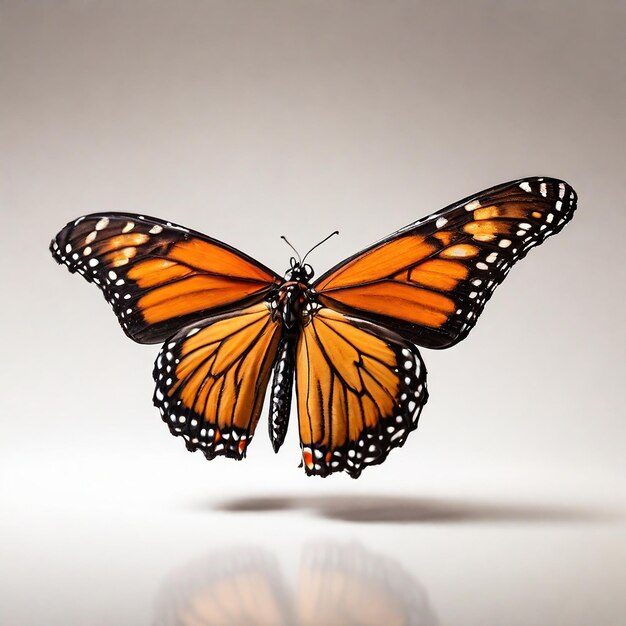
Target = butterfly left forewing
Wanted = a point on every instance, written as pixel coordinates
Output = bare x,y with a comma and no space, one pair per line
360,390
158,276
430,281
211,380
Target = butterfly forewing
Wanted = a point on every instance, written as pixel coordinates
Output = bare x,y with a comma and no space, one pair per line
430,281
158,277
211,379
360,391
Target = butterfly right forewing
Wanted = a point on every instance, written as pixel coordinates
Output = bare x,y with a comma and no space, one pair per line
430,280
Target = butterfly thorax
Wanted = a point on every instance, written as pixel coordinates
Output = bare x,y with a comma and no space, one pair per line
294,301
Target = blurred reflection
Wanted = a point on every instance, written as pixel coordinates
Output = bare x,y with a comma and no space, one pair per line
338,585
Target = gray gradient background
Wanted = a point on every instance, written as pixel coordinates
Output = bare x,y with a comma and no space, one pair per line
249,119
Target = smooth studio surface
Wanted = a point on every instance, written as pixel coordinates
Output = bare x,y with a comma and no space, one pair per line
249,120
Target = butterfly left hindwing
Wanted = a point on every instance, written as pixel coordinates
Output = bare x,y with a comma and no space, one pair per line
211,380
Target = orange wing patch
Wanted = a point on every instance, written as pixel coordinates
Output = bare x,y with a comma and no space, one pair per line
207,257
360,391
211,380
430,281
191,294
393,298
159,277
378,262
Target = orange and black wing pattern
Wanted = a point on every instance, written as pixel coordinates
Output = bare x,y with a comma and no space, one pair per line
211,380
360,391
159,277
430,280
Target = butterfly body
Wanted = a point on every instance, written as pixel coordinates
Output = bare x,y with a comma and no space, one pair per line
292,303
346,341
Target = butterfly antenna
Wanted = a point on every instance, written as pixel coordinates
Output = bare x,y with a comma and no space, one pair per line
289,244
317,245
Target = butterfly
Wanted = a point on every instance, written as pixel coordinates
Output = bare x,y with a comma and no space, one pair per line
349,339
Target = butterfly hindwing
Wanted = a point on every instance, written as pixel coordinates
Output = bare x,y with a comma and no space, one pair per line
211,380
158,277
430,280
360,391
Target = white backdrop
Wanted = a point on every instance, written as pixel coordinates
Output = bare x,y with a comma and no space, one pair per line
249,120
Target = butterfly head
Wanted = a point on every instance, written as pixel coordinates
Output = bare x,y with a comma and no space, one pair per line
299,272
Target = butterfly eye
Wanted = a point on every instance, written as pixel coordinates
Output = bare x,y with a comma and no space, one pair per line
308,270
292,262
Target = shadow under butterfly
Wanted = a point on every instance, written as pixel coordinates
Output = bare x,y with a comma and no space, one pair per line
411,510
337,585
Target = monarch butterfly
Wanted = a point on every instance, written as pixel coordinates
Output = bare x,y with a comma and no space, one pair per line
348,338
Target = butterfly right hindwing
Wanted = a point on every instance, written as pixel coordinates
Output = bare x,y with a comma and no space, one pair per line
360,389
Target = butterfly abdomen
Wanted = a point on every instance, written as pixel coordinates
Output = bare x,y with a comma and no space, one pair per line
282,386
